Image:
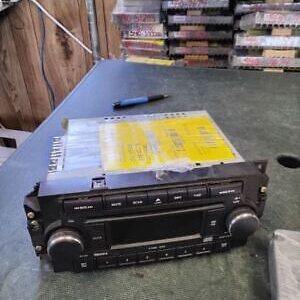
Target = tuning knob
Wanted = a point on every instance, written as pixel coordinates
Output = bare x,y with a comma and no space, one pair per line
65,243
242,222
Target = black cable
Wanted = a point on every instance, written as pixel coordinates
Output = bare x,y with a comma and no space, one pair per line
42,58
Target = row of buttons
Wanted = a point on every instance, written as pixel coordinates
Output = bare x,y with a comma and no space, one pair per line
170,195
157,197
154,197
152,256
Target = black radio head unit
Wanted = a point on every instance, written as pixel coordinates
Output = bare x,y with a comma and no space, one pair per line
83,222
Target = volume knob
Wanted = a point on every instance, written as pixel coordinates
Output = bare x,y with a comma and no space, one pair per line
65,243
242,222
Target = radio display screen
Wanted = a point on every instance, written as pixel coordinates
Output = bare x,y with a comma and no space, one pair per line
149,228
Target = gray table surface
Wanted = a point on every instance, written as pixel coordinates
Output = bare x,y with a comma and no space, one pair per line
259,112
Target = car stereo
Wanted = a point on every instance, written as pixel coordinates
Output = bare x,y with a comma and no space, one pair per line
88,215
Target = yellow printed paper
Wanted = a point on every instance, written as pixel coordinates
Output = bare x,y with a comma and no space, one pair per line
151,144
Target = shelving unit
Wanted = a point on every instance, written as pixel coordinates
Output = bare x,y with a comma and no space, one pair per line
267,36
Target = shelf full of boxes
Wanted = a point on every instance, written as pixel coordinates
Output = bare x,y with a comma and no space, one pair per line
199,32
264,34
142,29
269,35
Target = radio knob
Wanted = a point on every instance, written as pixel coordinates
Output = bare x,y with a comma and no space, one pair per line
242,222
65,243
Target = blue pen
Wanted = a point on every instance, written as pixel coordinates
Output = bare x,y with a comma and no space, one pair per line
138,100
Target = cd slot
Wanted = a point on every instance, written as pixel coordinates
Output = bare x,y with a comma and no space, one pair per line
146,215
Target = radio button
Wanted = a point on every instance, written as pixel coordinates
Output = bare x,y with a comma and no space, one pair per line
166,254
177,195
203,249
83,207
84,264
222,246
136,199
106,262
184,251
147,257
196,193
157,197
97,236
214,221
115,201
226,189
127,260
236,199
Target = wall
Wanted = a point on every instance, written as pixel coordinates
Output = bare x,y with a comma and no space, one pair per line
24,98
